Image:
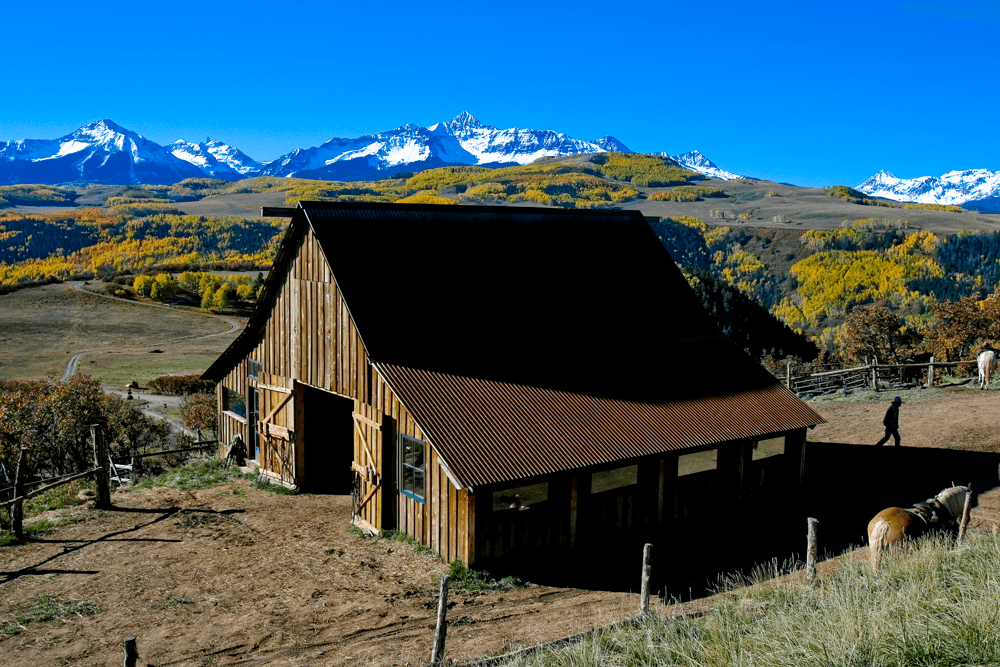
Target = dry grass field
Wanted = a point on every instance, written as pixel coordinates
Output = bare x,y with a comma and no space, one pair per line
42,327
803,209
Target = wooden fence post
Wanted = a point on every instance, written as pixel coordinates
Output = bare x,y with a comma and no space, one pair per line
131,652
647,570
437,654
17,511
103,500
811,551
930,372
965,515
875,374
788,373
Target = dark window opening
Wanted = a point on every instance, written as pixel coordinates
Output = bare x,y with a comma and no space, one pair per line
253,399
413,467
254,368
233,401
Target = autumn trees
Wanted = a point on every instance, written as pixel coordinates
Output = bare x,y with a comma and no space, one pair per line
53,419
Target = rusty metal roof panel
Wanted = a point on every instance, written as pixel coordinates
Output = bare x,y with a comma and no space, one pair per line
493,432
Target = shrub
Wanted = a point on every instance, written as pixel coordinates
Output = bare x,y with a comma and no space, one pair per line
944,208
179,385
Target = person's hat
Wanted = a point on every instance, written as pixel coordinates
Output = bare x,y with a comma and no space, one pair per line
897,400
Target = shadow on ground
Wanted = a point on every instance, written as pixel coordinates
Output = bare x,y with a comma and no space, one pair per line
846,485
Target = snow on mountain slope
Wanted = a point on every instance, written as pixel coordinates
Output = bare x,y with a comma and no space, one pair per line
102,151
106,152
216,159
955,187
460,141
697,162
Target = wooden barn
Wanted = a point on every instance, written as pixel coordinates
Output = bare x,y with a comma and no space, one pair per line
500,381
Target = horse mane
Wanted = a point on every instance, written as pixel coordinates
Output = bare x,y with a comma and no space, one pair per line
953,499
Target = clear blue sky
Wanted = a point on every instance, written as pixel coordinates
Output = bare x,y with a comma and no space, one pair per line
811,93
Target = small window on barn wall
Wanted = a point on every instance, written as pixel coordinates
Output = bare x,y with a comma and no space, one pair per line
689,464
234,401
765,449
607,480
521,497
413,467
254,369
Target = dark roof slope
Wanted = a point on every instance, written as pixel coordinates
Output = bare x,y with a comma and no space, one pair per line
563,299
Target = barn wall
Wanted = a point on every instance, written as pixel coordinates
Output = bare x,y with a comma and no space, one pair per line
310,337
231,425
442,521
575,516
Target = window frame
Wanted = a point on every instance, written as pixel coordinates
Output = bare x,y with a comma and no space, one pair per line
420,470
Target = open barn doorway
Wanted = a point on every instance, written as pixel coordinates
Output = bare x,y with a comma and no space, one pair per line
329,442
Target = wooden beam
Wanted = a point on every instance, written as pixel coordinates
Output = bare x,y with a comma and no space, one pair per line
275,409
371,422
371,494
276,212
368,451
271,387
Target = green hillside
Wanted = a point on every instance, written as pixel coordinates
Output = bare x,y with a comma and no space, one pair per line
763,256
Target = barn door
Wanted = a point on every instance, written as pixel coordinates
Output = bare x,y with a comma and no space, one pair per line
277,427
368,465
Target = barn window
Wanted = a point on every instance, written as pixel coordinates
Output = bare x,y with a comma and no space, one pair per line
765,449
607,480
414,468
521,497
254,368
689,464
234,402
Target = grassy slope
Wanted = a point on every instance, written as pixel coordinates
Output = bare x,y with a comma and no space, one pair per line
42,327
935,605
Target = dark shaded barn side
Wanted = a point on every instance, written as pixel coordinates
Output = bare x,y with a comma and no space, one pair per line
519,382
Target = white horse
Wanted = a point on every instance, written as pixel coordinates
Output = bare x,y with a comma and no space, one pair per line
987,361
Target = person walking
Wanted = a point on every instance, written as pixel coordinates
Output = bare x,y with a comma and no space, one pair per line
891,422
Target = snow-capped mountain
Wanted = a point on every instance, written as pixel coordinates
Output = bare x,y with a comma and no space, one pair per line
102,151
216,159
106,152
460,141
697,162
955,187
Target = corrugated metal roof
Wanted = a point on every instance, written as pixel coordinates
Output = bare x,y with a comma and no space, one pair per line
490,431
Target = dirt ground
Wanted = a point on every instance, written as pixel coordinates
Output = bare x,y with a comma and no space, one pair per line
235,575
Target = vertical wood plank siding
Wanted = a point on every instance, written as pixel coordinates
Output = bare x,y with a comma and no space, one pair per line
310,337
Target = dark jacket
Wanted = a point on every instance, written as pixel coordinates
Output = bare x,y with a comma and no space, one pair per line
891,419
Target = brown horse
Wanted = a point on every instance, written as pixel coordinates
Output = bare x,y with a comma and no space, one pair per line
895,524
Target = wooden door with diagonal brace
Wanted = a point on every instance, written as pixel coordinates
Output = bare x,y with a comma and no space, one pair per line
369,464
277,427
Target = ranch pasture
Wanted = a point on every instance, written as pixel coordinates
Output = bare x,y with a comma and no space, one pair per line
42,327
232,574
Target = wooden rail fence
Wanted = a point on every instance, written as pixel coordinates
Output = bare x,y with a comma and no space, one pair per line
868,376
99,471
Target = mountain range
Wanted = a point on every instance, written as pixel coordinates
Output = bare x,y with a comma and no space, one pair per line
106,152
972,188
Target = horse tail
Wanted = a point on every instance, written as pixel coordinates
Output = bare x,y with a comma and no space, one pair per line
877,543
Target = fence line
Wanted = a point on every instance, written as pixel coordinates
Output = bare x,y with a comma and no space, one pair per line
857,377
65,479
